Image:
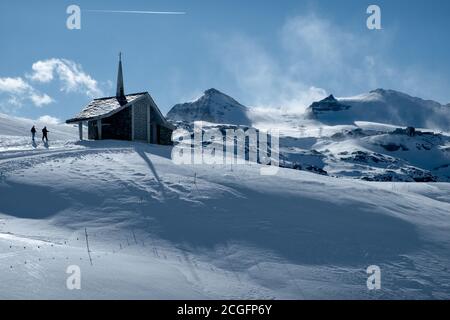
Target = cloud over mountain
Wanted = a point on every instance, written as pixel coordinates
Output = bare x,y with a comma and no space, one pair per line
319,56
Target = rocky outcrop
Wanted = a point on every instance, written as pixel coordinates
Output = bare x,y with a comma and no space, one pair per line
329,104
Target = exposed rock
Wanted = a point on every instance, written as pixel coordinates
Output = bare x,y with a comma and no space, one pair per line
409,131
355,133
393,147
409,174
326,105
366,157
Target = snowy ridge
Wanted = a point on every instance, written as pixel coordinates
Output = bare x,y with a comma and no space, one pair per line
384,106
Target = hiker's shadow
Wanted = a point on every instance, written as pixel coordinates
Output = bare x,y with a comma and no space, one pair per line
46,145
34,144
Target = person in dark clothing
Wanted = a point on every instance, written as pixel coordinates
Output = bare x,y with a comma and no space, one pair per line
33,133
44,134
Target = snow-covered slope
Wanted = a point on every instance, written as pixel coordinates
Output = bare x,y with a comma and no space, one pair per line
20,127
160,230
386,156
384,106
214,106
365,150
15,134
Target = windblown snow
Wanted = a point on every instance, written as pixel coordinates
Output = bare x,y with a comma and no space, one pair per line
161,230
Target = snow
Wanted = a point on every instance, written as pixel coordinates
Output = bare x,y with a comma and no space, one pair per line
214,106
15,136
105,106
20,127
390,107
374,126
362,150
210,232
158,230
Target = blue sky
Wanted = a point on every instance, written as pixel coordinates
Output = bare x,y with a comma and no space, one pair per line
264,53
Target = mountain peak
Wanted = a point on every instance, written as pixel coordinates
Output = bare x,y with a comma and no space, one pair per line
213,91
214,106
379,90
330,98
328,104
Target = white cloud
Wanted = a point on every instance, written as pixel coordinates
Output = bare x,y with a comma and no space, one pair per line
14,101
347,62
70,74
316,56
320,51
49,120
18,90
40,100
14,85
263,79
42,71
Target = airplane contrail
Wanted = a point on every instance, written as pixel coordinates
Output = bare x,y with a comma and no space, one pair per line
138,12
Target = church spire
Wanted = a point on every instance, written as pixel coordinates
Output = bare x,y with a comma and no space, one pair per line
120,93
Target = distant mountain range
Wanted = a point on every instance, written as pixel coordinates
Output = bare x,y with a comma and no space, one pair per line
363,137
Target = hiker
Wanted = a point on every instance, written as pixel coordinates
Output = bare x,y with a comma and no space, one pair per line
33,133
44,134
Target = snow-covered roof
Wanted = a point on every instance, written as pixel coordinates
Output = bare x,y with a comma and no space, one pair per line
103,107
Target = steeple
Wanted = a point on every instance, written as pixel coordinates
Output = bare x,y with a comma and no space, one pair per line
120,93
